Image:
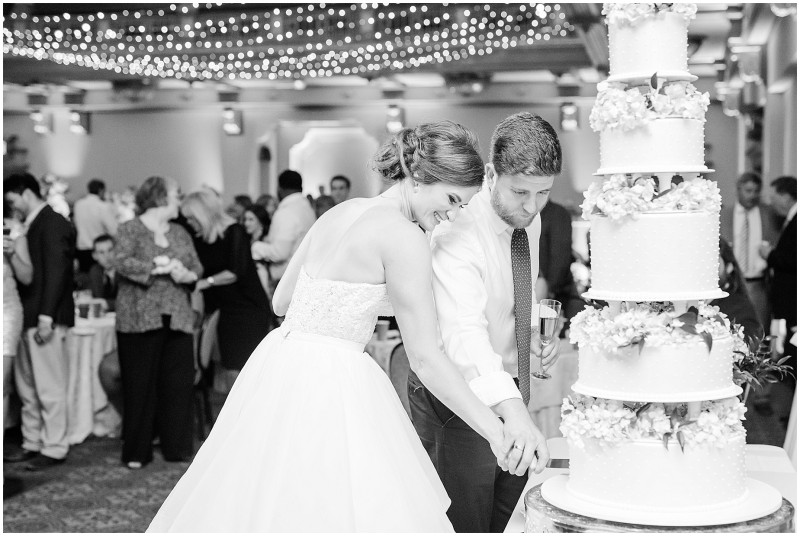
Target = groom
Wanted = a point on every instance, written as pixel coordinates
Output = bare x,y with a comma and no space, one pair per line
485,266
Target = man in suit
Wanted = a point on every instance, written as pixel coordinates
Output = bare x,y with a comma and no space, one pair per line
555,259
485,265
782,259
102,278
290,223
48,311
745,226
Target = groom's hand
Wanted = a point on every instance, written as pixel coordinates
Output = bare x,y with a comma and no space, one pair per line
528,443
548,353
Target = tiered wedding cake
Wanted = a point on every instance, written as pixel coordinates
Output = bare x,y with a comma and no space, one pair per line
654,427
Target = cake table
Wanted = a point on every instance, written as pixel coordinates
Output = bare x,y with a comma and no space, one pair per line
541,516
766,463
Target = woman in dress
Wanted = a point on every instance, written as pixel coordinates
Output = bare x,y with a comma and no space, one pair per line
16,267
256,223
313,437
231,284
156,266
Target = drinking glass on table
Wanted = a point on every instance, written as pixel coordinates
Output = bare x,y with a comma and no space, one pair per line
547,323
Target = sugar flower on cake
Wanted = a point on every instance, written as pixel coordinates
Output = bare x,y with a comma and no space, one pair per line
689,196
612,422
618,107
586,417
654,324
635,13
621,195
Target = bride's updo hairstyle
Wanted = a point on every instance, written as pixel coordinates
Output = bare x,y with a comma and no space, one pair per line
441,151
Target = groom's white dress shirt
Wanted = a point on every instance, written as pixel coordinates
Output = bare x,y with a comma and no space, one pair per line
474,292
290,223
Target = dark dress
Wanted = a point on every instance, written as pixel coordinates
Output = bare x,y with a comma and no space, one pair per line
245,313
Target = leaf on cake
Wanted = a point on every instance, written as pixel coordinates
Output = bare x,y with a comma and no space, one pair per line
643,408
665,439
654,81
707,338
681,439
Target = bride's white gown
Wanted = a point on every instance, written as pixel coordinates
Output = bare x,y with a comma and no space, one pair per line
313,437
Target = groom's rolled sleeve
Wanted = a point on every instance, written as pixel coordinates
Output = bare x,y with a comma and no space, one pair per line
459,268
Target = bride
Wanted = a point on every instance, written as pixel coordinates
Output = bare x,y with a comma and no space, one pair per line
313,437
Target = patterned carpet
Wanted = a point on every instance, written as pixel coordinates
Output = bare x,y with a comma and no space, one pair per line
91,492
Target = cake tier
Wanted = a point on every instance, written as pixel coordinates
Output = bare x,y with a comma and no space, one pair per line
669,144
655,257
657,44
685,372
642,482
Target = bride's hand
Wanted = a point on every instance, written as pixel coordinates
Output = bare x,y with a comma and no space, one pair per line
501,444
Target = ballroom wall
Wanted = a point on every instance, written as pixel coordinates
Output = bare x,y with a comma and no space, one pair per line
125,147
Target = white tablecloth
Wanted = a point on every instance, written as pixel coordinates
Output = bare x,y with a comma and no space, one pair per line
766,463
88,409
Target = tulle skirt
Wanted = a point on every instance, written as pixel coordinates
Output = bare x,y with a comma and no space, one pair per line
312,438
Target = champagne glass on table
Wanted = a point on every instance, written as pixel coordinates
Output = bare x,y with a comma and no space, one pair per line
547,323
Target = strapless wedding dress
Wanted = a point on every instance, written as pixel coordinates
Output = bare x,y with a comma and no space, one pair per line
312,437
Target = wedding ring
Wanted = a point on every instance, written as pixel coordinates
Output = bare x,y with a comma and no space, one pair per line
518,447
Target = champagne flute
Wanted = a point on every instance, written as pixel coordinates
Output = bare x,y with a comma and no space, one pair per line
546,323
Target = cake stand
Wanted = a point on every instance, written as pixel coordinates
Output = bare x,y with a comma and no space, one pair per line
541,516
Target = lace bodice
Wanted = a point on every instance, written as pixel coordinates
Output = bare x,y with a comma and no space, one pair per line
336,308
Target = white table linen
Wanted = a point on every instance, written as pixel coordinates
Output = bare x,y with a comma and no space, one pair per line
88,409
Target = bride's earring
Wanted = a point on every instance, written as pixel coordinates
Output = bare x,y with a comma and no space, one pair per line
416,187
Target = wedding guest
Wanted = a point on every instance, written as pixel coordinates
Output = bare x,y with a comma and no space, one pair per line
93,217
48,312
102,276
256,223
340,189
782,260
745,226
236,209
323,204
555,259
292,220
268,202
16,268
156,266
484,268
231,285
737,305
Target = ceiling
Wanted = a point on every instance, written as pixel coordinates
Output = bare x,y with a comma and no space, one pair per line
568,44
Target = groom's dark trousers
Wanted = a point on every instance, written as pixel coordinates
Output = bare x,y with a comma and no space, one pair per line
483,495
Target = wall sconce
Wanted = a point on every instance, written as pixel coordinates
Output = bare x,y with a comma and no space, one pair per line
232,122
42,122
395,119
748,59
79,123
569,117
730,100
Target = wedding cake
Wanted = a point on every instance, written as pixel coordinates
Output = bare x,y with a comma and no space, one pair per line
654,426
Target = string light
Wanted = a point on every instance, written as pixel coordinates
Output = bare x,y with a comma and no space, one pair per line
291,43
